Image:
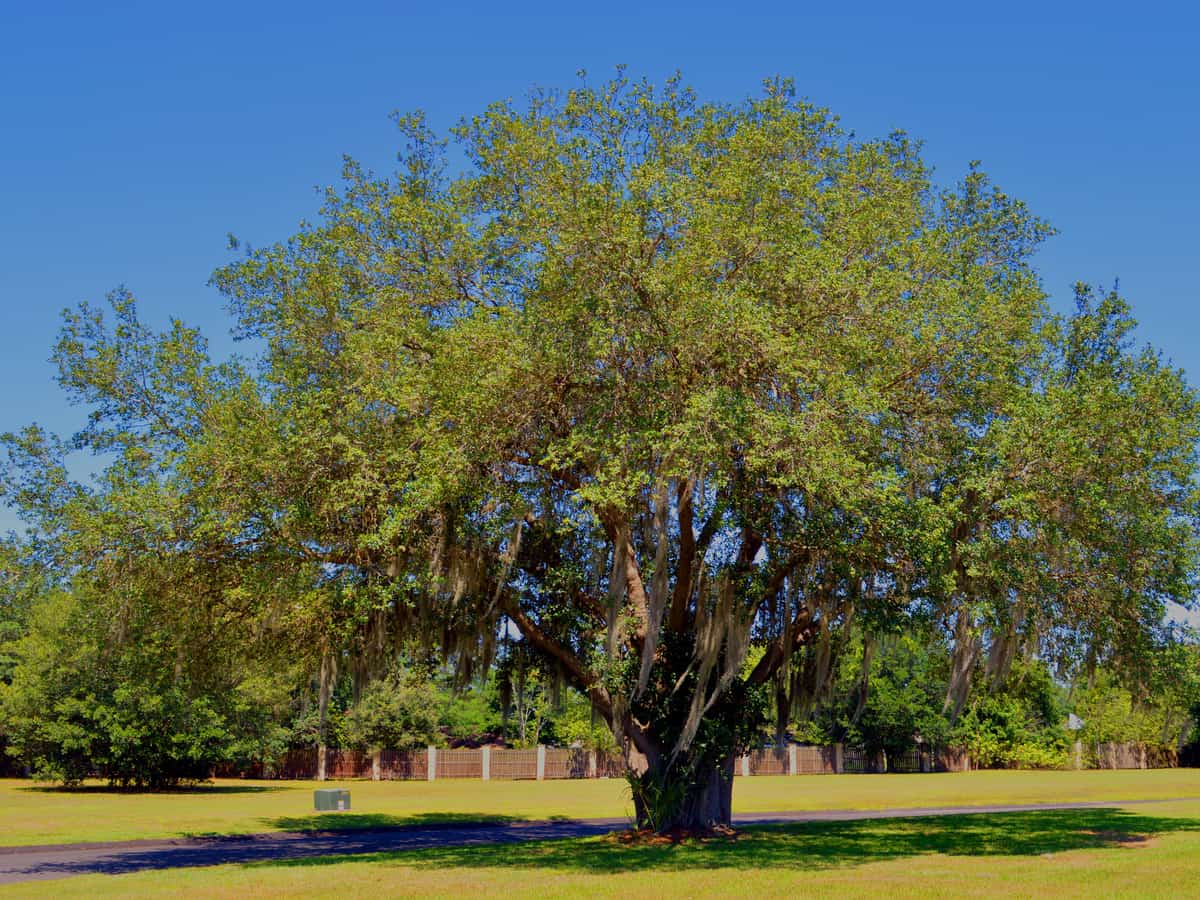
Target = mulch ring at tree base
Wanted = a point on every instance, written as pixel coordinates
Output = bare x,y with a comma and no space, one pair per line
648,837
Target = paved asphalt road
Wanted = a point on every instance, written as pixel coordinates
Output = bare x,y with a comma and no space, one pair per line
64,860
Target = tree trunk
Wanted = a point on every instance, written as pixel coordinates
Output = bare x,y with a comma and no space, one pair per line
710,803
962,663
699,801
325,681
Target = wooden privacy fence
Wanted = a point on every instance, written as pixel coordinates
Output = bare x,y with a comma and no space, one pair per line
484,763
791,760
539,763
945,759
1131,755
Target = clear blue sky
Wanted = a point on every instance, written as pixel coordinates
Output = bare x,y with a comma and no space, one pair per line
133,137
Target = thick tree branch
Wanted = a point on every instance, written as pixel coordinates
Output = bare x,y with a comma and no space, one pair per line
575,669
617,529
709,530
751,543
687,557
803,627
779,576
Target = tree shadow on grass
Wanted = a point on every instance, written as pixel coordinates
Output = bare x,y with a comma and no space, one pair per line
192,789
352,821
812,845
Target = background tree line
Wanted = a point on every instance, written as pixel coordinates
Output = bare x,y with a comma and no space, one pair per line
143,708
139,711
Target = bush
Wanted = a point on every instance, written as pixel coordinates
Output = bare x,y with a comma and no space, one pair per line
134,737
1037,756
904,703
126,711
471,713
578,726
399,712
1001,731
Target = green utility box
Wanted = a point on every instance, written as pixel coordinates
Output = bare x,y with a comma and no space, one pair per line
331,799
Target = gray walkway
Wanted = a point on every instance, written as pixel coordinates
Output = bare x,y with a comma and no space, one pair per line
64,860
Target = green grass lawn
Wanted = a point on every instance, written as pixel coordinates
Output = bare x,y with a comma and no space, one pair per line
38,814
1144,851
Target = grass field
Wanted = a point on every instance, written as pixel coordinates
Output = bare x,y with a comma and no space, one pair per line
1150,850
39,814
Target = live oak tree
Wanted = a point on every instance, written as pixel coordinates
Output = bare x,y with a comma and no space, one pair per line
678,391
660,379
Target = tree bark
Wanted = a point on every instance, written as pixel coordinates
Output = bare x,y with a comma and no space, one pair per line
962,663
701,802
710,803
326,679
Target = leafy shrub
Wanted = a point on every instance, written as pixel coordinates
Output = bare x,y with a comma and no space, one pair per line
1037,756
1002,731
576,725
904,701
399,712
78,707
471,713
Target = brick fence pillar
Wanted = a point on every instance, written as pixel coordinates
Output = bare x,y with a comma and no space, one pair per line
793,769
431,769
541,763
486,762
